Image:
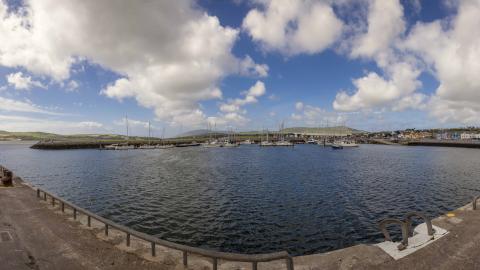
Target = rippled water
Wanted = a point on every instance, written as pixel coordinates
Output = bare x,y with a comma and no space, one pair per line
304,200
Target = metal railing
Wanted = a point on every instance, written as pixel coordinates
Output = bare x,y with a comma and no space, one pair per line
254,259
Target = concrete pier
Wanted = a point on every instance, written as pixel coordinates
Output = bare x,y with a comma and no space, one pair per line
34,234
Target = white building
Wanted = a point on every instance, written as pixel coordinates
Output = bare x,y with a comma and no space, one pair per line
469,136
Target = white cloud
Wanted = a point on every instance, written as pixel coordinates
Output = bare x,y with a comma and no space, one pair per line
22,82
373,91
171,58
293,26
380,41
451,49
385,24
299,106
235,105
413,101
22,123
133,123
89,124
448,49
249,68
72,86
11,105
315,116
233,111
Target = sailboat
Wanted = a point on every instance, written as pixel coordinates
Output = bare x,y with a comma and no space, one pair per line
282,141
125,146
211,143
267,142
230,141
163,145
147,146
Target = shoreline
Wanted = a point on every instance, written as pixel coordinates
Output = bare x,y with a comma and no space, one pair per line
71,145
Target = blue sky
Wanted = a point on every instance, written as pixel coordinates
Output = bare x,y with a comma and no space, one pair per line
243,65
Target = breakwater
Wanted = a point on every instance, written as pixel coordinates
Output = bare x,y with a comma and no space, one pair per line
462,144
65,145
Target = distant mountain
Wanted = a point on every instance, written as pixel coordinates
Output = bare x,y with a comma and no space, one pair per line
322,130
200,133
43,136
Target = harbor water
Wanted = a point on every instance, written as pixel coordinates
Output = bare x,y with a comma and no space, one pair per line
249,199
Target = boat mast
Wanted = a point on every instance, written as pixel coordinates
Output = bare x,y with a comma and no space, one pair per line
126,123
148,132
163,135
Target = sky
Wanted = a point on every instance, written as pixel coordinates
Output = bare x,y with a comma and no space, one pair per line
82,66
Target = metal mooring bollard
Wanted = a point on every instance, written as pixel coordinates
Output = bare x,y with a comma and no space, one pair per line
289,263
153,249
185,258
7,178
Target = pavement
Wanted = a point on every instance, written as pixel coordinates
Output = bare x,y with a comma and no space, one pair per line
36,235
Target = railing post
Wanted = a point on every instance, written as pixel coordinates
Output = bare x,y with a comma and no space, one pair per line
185,258
53,201
254,265
106,229
44,196
128,239
289,263
89,223
215,263
38,193
153,249
75,213
63,207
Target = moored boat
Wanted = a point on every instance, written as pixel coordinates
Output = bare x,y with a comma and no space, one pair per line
336,146
164,146
283,143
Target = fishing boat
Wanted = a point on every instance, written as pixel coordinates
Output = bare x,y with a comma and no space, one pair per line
246,142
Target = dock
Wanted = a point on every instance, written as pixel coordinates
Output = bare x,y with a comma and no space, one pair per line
36,234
